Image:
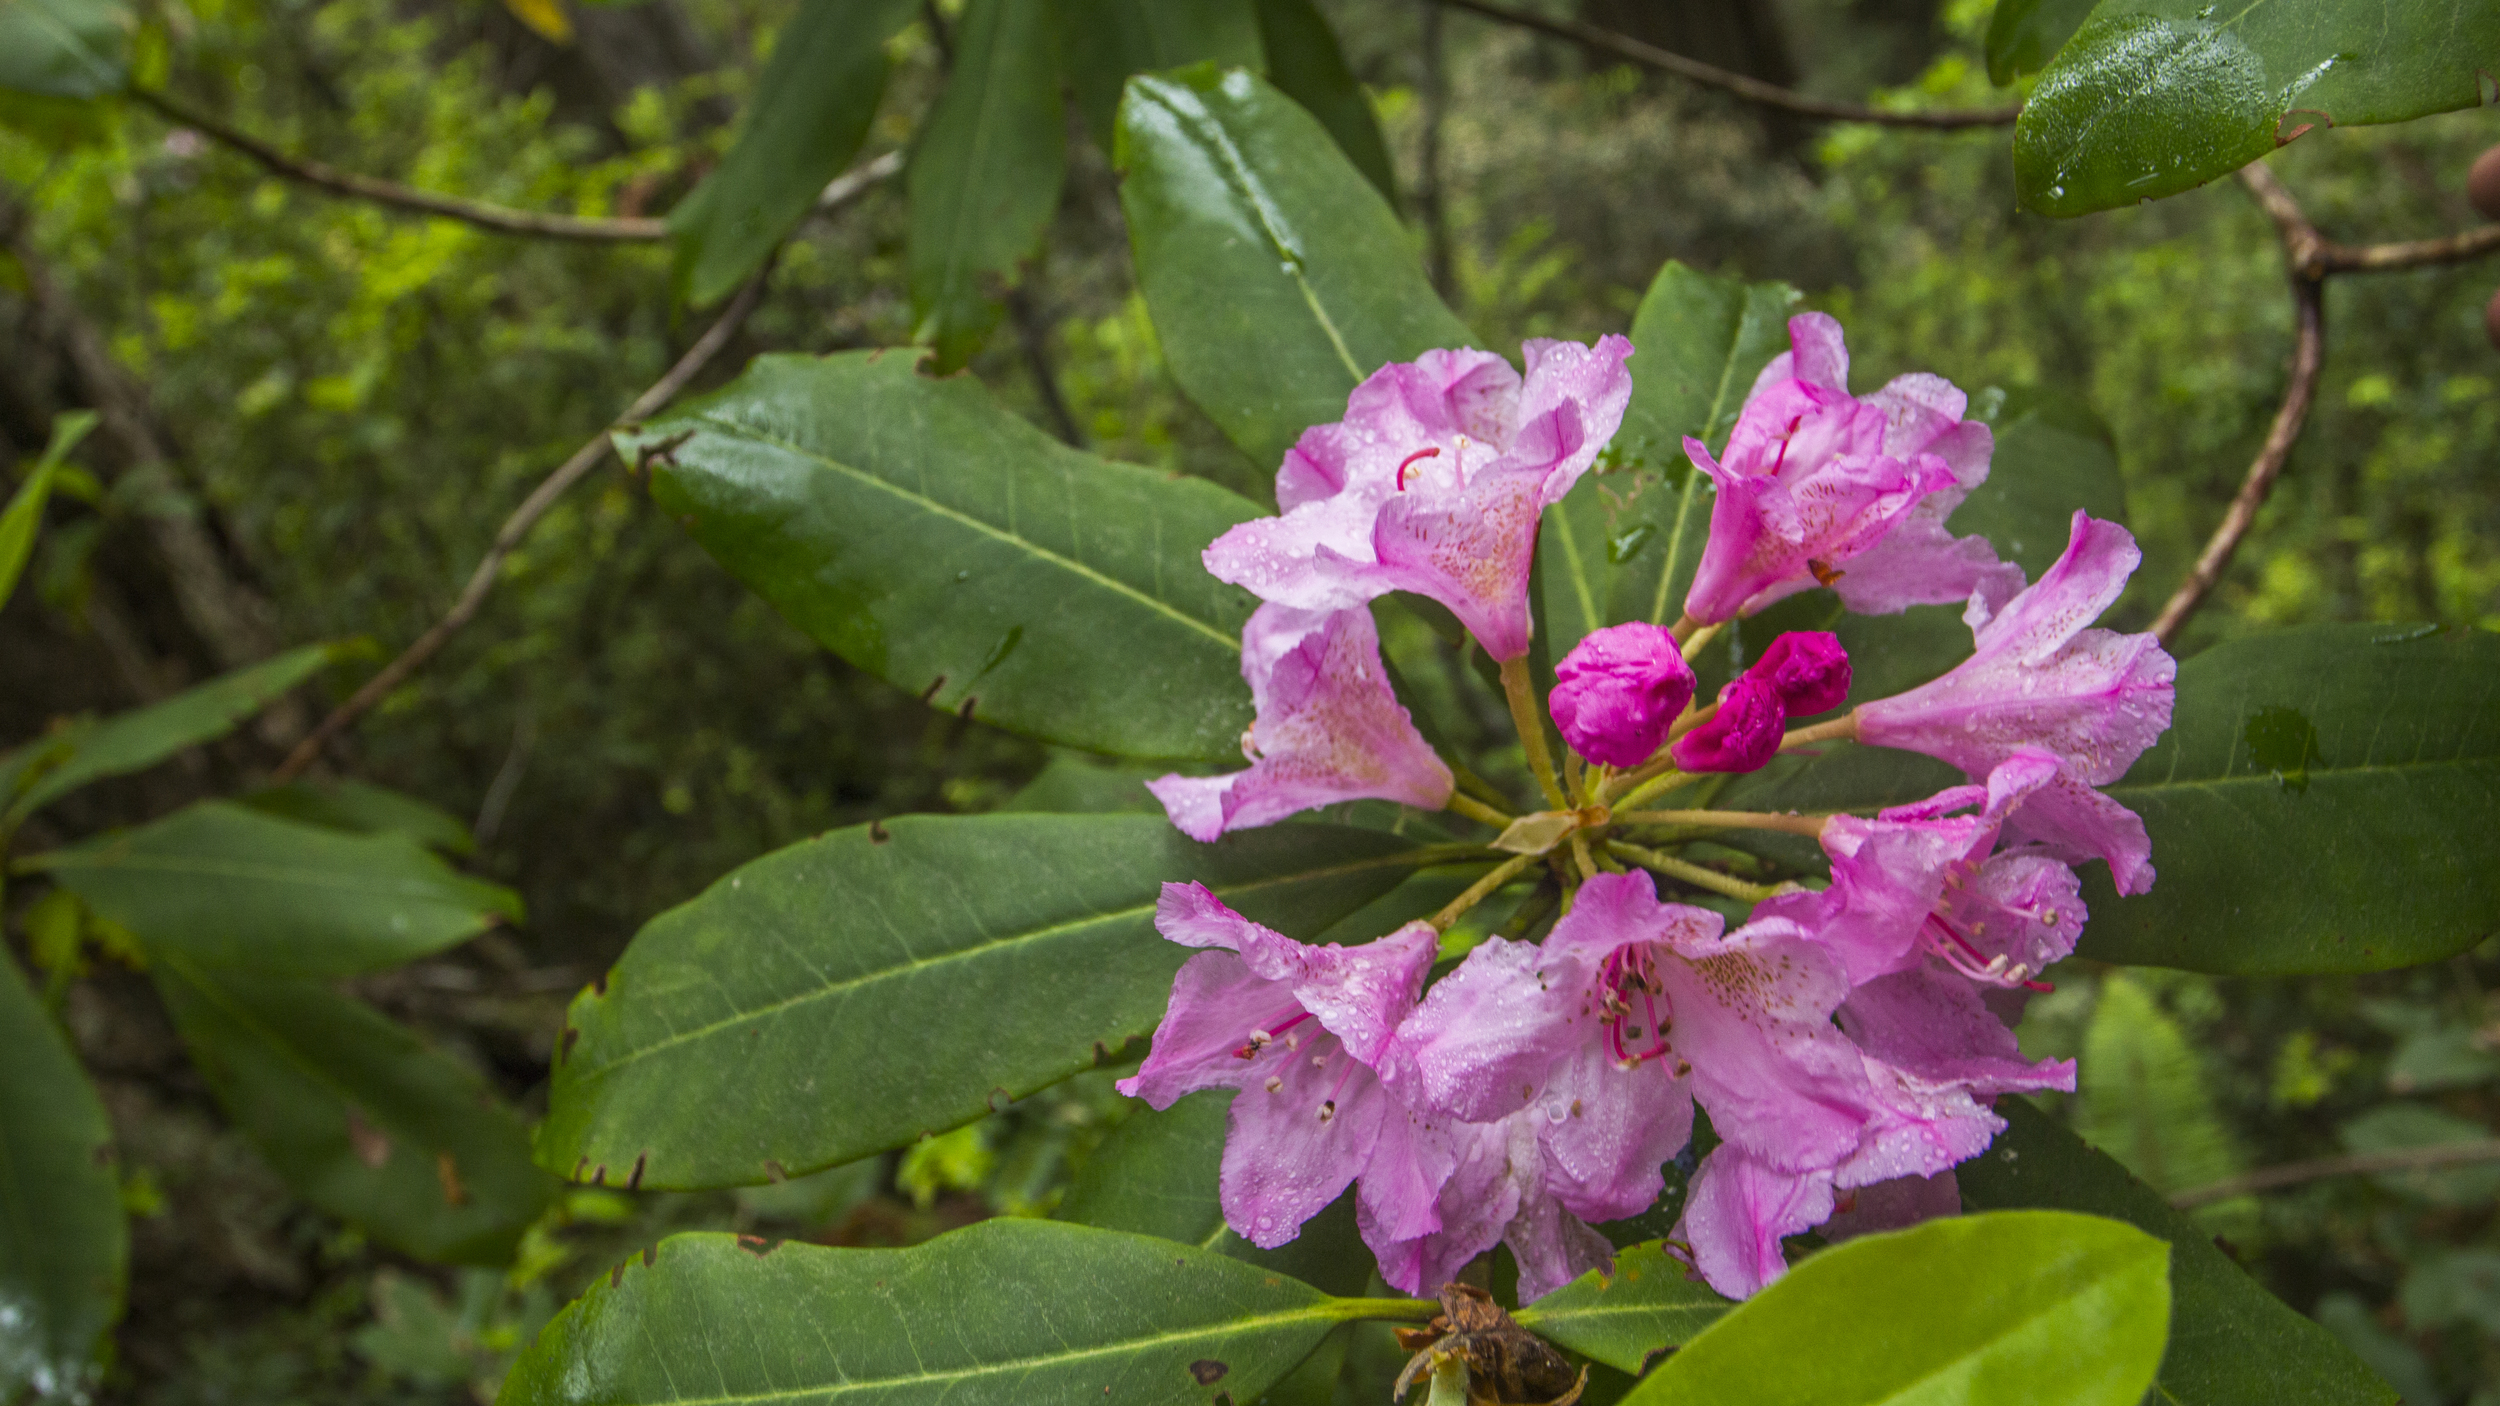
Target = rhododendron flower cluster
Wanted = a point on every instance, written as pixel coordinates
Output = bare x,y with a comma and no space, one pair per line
1845,1038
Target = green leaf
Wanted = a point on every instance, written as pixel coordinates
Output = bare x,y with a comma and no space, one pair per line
357,1115
2023,35
141,738
985,175
1156,1174
64,1246
919,530
1699,343
2143,1093
2040,1307
2327,800
1104,42
24,515
2053,455
810,112
901,978
1627,1318
65,48
1277,276
2231,1342
362,809
1306,65
224,885
1007,1312
2153,97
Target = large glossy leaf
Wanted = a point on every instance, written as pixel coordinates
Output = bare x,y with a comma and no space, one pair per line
361,808
1156,1174
1103,42
1626,1319
1276,274
924,533
224,885
810,112
2053,455
1003,1313
2231,1342
1306,65
2153,97
357,1115
901,978
1698,343
65,48
64,1246
2023,35
143,737
984,175
2040,1307
2327,799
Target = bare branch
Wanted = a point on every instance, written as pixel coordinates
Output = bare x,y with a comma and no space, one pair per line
2300,239
2412,253
476,212
2410,1159
1750,89
517,527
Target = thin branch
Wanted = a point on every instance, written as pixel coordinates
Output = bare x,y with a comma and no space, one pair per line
2300,239
1033,337
477,212
1750,89
2410,1159
2411,253
517,526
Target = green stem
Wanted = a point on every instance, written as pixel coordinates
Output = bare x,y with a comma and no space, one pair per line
1474,809
1843,727
1653,786
1690,873
1521,695
1808,825
1480,890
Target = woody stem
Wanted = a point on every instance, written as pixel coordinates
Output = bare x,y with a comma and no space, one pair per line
1521,696
1690,873
1480,890
1809,825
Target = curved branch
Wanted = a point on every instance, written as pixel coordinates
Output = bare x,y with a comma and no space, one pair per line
2410,1159
1752,90
517,526
2300,241
499,218
2410,254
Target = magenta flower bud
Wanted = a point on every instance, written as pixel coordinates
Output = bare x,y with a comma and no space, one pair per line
1619,690
1742,736
1808,669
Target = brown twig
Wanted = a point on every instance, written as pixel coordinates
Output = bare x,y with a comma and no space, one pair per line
517,526
1750,89
476,212
2411,1159
2301,241
2411,253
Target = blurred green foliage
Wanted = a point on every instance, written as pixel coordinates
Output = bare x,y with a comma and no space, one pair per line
359,396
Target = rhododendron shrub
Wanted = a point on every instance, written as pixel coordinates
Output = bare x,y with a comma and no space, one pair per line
1564,873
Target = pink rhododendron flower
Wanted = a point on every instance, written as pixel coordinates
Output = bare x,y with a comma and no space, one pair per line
1618,691
1931,1051
1924,878
1433,483
1629,1011
1819,485
1743,735
1295,1029
1493,1191
1329,728
1808,670
2039,676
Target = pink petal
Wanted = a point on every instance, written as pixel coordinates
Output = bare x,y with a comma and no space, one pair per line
1807,669
1607,1131
1752,1015
1479,1045
1935,1025
1329,729
1553,1247
1494,1165
1619,690
1821,356
1743,735
1293,1149
1897,1204
1738,1213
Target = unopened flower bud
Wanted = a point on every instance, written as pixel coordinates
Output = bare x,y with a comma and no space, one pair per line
1742,736
1808,669
1618,691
